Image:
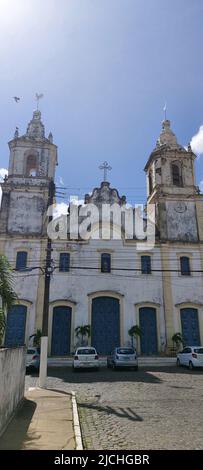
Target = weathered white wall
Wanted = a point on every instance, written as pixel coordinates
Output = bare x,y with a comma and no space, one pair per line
133,287
12,379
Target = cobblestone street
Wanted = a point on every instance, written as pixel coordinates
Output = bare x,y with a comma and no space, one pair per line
149,409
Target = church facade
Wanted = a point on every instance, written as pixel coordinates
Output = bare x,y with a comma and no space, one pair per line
105,283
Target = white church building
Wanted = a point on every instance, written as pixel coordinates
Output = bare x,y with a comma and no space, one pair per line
106,283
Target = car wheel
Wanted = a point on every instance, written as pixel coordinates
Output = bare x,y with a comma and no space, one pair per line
191,365
178,362
136,368
108,365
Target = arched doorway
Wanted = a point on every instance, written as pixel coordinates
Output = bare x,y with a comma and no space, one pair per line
190,326
105,324
148,325
61,331
15,326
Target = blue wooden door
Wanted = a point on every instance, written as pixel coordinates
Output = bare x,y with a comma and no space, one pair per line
61,331
105,324
148,339
15,326
190,326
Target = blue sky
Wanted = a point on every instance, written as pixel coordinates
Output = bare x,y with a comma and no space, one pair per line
106,68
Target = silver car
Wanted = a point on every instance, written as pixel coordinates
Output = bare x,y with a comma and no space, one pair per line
123,357
191,356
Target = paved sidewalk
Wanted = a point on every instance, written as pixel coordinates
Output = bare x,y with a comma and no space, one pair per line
44,422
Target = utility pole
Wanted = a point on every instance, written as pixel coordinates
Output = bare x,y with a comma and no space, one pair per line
45,320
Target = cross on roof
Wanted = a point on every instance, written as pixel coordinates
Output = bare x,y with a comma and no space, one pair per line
105,167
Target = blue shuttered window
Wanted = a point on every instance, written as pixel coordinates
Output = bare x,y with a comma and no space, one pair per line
185,265
105,263
64,262
21,260
146,264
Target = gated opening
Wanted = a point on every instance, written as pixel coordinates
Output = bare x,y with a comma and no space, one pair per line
105,324
15,326
61,331
190,326
148,325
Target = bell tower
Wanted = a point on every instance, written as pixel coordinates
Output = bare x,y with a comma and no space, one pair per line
32,162
171,187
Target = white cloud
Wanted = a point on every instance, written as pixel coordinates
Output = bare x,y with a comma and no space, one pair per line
201,186
60,209
197,142
3,172
75,200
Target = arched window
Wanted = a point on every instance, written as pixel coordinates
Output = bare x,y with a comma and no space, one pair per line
31,165
176,174
150,183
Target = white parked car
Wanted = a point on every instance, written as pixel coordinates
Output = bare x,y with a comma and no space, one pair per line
86,357
191,356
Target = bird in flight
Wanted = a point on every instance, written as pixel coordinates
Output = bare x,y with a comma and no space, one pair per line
16,99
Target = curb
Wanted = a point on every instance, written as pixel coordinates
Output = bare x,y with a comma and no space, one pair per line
76,423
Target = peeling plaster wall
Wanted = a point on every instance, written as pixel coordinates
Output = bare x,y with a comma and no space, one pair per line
25,213
181,221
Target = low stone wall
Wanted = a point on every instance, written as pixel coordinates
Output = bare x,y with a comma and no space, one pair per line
12,381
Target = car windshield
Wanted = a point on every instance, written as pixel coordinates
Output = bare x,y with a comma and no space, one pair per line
86,351
126,351
198,350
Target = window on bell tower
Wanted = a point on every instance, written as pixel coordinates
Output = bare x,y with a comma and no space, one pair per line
176,174
31,165
150,183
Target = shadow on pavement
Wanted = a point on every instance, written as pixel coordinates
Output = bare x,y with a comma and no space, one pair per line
15,435
104,375
127,413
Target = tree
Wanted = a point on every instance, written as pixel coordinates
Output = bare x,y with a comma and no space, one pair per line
134,332
7,294
37,338
82,330
177,340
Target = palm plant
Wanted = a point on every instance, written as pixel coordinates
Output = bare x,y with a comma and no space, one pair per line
83,330
37,338
177,340
7,294
134,332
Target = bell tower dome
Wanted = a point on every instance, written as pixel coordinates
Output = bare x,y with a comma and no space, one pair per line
171,187
32,163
